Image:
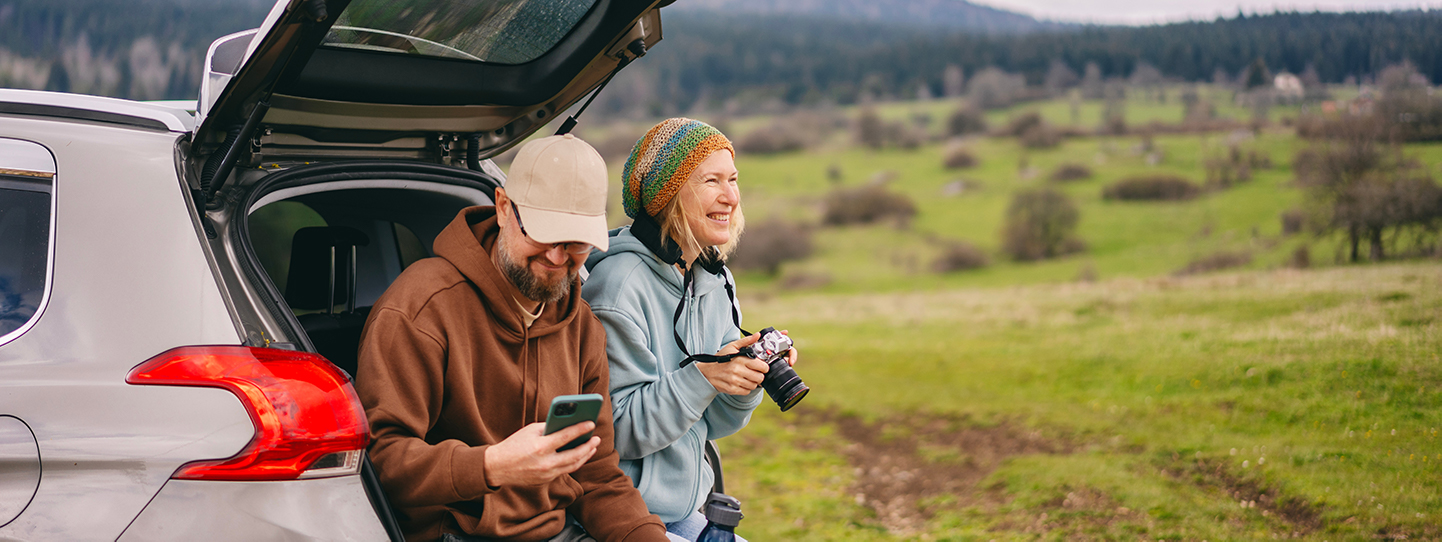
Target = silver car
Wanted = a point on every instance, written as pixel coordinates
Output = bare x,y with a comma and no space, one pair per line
182,291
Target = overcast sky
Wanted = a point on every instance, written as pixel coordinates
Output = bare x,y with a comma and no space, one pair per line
1160,11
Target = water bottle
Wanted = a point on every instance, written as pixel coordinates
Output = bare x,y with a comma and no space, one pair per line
723,513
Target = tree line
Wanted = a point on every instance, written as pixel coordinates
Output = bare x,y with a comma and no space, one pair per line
800,59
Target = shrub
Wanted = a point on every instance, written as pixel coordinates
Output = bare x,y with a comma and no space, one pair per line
1152,188
1292,221
959,158
1040,137
959,256
769,243
992,88
1235,166
870,129
1020,124
1301,258
1223,173
1040,224
866,205
1071,172
876,133
776,138
1216,262
965,120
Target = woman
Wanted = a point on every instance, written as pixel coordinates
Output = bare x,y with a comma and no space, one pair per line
663,293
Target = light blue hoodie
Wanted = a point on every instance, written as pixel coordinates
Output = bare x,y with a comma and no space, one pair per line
663,413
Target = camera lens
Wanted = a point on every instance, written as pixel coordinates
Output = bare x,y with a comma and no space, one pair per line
783,385
565,409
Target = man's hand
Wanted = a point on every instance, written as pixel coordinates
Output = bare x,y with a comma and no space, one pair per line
529,457
738,376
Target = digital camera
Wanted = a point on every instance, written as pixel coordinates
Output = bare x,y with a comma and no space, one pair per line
781,381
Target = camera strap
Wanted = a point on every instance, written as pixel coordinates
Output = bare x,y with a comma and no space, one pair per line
648,231
686,281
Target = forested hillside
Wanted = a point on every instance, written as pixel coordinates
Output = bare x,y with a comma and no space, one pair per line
142,49
800,58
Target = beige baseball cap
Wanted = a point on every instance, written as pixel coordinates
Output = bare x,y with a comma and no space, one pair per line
558,184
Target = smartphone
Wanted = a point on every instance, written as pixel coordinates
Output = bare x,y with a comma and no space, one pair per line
568,410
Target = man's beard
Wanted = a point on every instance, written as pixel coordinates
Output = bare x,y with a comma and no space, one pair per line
527,282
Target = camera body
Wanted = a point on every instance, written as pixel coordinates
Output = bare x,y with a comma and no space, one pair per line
781,381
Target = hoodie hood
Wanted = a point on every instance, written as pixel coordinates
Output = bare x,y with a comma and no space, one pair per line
467,243
624,241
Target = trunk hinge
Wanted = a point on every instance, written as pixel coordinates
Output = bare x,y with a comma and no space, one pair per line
222,162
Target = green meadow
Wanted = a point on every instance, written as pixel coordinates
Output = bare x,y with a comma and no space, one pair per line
1100,395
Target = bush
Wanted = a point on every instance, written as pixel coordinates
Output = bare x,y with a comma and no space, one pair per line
1040,224
1216,262
777,138
1020,124
959,256
991,88
1040,137
965,120
876,133
1292,221
769,243
959,158
1071,172
1301,258
1153,188
870,129
1235,166
866,205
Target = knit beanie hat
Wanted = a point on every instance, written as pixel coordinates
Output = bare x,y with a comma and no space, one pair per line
663,160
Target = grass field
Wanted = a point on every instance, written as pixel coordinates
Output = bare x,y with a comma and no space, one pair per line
1099,395
1124,239
1233,406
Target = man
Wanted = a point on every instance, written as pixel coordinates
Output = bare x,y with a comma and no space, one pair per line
461,357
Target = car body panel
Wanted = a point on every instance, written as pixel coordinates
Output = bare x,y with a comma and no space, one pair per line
19,467
321,509
129,281
173,119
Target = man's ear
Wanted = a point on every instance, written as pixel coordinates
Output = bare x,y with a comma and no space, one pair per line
503,206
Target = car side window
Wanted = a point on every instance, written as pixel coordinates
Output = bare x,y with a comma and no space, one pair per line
27,181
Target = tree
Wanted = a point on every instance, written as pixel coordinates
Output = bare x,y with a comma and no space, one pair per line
1060,77
1256,75
1040,224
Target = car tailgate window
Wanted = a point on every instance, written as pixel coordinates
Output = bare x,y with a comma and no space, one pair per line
497,31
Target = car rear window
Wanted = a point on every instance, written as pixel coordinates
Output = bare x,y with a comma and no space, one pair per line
27,176
497,31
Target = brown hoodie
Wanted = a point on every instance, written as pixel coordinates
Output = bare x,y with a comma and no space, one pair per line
447,369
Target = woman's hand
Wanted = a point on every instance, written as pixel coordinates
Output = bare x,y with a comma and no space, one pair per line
792,356
738,376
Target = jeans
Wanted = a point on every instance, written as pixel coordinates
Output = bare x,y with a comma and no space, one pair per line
689,528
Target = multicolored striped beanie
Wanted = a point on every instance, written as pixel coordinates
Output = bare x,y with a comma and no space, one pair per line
663,160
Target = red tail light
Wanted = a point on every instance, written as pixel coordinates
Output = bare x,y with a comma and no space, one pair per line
308,420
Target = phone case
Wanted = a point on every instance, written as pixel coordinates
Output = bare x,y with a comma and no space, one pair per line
568,410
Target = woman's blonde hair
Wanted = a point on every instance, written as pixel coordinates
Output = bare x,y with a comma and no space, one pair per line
674,225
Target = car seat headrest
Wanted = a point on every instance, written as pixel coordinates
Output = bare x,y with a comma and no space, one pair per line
321,259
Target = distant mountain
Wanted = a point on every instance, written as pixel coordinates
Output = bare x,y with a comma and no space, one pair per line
938,14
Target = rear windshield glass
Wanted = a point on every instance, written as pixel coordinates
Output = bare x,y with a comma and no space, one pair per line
498,31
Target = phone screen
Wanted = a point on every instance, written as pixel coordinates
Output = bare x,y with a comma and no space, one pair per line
568,410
